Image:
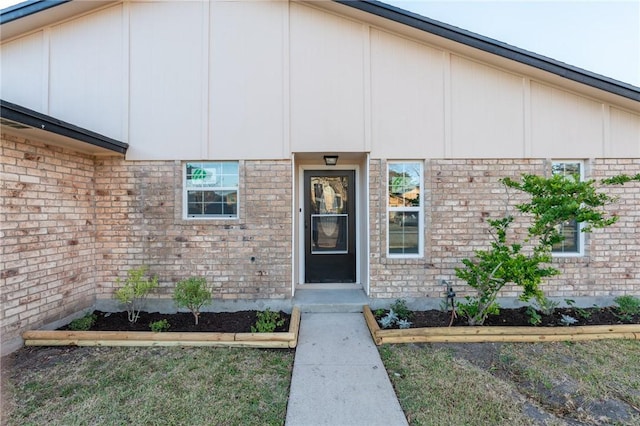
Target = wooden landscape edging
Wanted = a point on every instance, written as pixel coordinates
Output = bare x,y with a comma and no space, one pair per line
148,338
497,334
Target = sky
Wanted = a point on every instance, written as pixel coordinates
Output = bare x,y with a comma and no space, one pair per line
601,36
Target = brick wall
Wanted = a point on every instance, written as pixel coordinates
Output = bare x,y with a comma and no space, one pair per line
71,224
47,227
612,266
458,197
139,222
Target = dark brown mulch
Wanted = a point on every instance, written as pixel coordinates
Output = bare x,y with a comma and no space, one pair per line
519,317
221,322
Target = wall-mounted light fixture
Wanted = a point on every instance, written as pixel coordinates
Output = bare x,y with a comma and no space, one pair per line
330,160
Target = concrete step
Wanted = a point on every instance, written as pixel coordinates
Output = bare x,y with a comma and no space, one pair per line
330,300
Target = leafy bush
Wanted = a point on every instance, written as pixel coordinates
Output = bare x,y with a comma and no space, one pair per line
267,322
136,288
159,326
192,294
628,306
401,310
472,309
546,305
553,201
534,317
83,324
403,323
388,320
392,318
581,312
568,320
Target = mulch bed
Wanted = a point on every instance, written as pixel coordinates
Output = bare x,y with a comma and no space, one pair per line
519,317
221,322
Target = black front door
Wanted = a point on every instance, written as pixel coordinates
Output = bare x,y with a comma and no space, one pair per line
330,247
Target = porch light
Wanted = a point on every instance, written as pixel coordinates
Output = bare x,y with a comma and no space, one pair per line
330,160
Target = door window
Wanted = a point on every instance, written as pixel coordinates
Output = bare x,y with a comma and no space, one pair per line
404,207
329,217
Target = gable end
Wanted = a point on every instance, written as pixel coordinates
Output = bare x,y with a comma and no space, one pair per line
495,47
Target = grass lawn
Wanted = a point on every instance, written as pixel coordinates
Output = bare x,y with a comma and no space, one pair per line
437,384
147,386
594,382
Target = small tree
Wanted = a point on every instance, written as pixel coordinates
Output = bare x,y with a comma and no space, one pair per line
553,201
192,294
494,268
560,199
135,289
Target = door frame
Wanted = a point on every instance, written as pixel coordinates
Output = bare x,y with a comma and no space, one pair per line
300,237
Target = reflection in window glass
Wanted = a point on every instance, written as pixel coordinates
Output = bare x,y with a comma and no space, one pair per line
572,243
329,194
404,209
329,233
211,189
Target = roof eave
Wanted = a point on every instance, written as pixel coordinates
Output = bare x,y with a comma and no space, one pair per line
36,120
27,8
33,15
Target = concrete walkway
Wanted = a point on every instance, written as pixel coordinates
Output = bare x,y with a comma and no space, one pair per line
338,377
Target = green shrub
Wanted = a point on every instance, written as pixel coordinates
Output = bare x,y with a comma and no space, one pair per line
546,305
534,317
159,326
472,309
135,289
267,322
192,294
568,320
581,312
388,320
83,324
401,310
628,306
392,318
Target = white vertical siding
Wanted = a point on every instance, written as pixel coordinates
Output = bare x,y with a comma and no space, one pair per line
166,80
23,70
625,134
327,81
487,119
246,80
192,80
407,95
565,125
86,73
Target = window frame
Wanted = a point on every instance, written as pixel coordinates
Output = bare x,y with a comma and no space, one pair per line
418,209
581,235
186,189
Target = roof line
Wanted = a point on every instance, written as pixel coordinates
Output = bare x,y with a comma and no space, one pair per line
28,117
495,47
27,8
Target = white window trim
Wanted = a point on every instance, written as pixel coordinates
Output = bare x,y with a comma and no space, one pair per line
419,209
581,235
185,191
